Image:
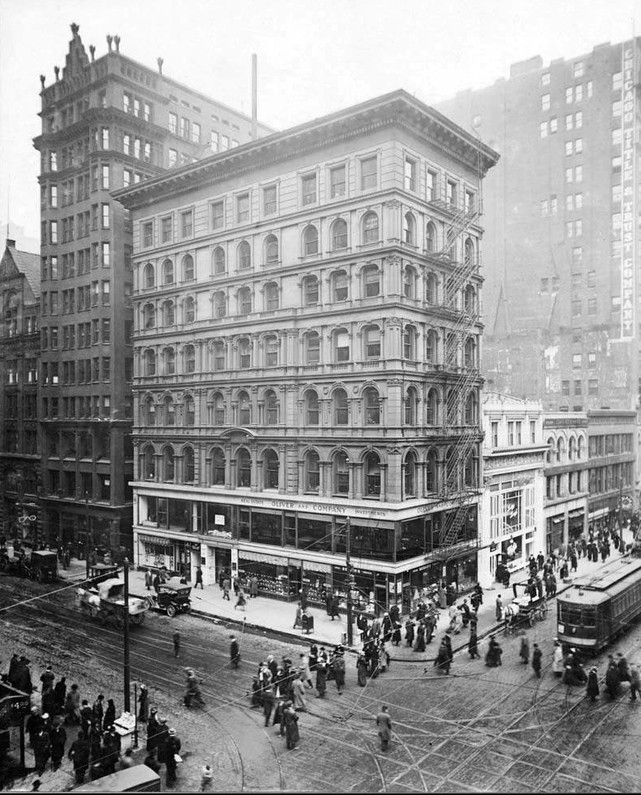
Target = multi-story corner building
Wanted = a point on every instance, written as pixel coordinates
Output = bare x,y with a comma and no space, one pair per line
562,234
566,479
107,123
19,352
513,486
613,464
306,355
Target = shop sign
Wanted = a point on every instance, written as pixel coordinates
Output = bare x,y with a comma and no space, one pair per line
219,533
13,708
165,542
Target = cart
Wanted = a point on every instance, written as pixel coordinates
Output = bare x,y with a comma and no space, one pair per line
172,597
105,603
524,611
43,565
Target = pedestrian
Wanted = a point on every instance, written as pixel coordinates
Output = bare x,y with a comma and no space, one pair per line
234,652
72,705
110,714
58,739
298,618
149,579
409,632
199,578
143,700
338,669
176,641
291,726
384,723
442,661
499,608
321,675
253,587
537,654
361,668
47,678
206,778
612,678
524,653
172,756
472,645
60,694
41,745
592,688
466,612
161,740
86,715
98,711
420,637
79,755
298,691
635,682
153,728
623,668
226,585
557,661
493,654
241,601
333,607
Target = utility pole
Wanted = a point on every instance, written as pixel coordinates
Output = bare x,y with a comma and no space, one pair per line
348,565
126,636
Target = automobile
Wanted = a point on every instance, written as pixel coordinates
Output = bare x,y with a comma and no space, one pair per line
44,565
172,597
100,572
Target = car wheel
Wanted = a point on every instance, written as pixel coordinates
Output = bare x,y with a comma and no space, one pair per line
171,611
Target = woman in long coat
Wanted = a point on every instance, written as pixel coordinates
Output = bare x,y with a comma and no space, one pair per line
361,668
291,726
298,687
143,700
592,688
442,661
420,637
409,632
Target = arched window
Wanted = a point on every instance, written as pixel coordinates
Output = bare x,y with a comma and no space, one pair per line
311,408
189,466
468,251
371,281
219,260
149,316
571,448
148,412
432,408
189,359
431,288
169,469
168,272
409,229
168,412
271,408
451,470
312,471
339,234
218,467
244,301
431,346
219,355
451,349
340,286
411,402
471,470
189,309
470,352
369,226
340,406
168,314
409,281
469,300
244,409
169,361
220,304
371,406
310,291
243,256
150,362
244,466
271,468
430,237
216,409
409,475
580,448
244,353
372,475
550,455
149,276
271,250
189,271
189,417
372,342
312,347
431,471
271,348
341,345
409,343
471,409
310,241
560,449
452,407
341,473
271,297
148,462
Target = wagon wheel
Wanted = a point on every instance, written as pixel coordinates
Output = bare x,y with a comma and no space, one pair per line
530,617
171,611
150,601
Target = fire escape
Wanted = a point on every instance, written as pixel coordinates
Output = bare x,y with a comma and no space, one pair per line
459,483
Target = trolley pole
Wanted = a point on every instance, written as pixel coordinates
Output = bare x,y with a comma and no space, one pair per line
348,566
135,715
126,637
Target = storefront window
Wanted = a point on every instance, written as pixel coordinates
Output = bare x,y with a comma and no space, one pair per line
243,524
266,528
411,540
314,534
180,515
370,542
289,526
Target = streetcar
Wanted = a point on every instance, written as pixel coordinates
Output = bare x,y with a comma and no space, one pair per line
599,607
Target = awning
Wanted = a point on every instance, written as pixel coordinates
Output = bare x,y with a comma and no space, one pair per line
260,558
578,514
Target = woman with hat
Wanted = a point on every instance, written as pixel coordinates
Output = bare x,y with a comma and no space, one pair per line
592,688
143,700
291,725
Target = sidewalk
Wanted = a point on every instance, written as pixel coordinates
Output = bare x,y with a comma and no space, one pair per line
276,615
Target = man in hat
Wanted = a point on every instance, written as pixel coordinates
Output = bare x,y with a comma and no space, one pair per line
384,723
47,679
79,754
153,727
172,750
58,739
234,652
161,740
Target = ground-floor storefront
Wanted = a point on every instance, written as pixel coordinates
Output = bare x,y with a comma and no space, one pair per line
565,523
299,546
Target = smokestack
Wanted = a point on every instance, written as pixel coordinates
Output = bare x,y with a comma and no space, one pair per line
254,96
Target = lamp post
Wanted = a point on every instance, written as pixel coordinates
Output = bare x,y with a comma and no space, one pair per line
348,566
126,637
87,545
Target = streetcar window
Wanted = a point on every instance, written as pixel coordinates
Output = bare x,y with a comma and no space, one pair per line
589,617
570,614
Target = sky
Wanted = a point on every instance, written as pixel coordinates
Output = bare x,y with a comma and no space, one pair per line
314,56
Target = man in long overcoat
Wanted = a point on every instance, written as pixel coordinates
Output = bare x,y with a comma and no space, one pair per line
384,723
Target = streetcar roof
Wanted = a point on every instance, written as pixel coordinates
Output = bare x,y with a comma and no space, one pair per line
608,581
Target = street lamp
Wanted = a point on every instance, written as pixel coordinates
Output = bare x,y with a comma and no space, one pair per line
126,637
87,532
348,566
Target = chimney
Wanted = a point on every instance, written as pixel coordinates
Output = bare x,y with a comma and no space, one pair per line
11,243
254,96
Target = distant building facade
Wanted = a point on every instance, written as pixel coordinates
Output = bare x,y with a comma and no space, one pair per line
306,357
107,122
562,235
512,523
19,357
